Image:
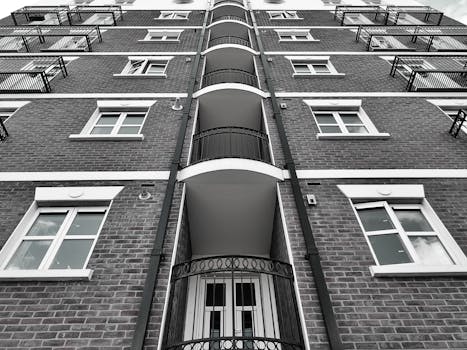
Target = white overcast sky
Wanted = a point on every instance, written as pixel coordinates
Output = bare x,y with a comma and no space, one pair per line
452,8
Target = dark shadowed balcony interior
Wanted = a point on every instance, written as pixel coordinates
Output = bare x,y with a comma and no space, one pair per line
413,38
41,15
229,11
229,33
95,15
48,38
230,125
230,65
29,73
432,73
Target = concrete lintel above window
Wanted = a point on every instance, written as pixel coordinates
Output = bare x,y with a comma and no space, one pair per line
341,103
125,103
73,194
377,192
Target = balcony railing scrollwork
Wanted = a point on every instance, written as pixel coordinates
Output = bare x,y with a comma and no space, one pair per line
235,40
232,302
230,142
230,76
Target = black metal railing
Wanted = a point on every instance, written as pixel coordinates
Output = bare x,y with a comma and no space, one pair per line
230,142
232,302
230,76
217,2
229,40
458,122
81,15
43,15
3,131
229,18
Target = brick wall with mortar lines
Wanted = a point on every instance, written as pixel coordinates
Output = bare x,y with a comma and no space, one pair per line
362,73
39,139
95,314
94,74
418,131
386,313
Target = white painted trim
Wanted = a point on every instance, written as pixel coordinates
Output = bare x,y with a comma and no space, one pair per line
12,104
413,270
226,46
120,53
378,192
83,175
234,4
370,94
333,103
73,194
46,275
97,95
308,58
229,164
85,137
229,21
125,103
362,53
341,136
380,174
449,103
152,27
230,86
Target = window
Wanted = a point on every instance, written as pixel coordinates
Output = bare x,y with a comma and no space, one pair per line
283,15
404,235
313,65
57,241
163,35
6,113
295,35
174,15
141,66
342,119
451,109
332,2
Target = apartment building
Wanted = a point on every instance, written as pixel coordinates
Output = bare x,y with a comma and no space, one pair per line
233,174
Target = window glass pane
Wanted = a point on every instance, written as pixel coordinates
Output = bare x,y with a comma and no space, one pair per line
245,294
321,68
247,328
350,118
133,119
413,220
330,129
72,254
128,130
101,130
172,36
286,37
375,219
155,68
29,255
325,118
215,294
389,249
156,37
301,68
214,329
108,119
430,250
357,130
86,224
301,37
47,224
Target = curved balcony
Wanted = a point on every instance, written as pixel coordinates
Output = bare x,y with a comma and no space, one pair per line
219,2
229,18
232,40
230,142
232,76
232,302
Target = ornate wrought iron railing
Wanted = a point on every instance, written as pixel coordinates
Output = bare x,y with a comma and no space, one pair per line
229,18
232,302
230,142
230,76
229,40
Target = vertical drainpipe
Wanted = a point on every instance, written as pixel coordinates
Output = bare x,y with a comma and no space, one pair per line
312,253
156,253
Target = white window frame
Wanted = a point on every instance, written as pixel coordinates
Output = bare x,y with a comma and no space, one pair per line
313,60
174,15
68,200
283,15
146,61
390,196
450,108
343,106
9,108
293,33
164,35
122,107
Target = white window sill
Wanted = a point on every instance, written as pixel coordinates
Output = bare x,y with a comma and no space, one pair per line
286,19
339,136
159,41
161,76
171,19
79,137
45,275
413,270
320,75
299,41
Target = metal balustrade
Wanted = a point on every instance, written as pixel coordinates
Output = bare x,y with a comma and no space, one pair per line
230,142
393,14
95,15
230,76
229,18
229,40
342,12
40,15
232,302
218,2
29,73
3,131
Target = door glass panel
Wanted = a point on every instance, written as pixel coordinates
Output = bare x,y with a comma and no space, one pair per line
214,329
430,250
413,220
375,219
86,224
47,224
389,249
245,293
29,255
72,254
215,294
247,329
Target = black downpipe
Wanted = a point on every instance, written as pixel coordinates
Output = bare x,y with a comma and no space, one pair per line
312,251
156,254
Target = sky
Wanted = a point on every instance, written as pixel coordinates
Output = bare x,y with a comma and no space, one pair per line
452,8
